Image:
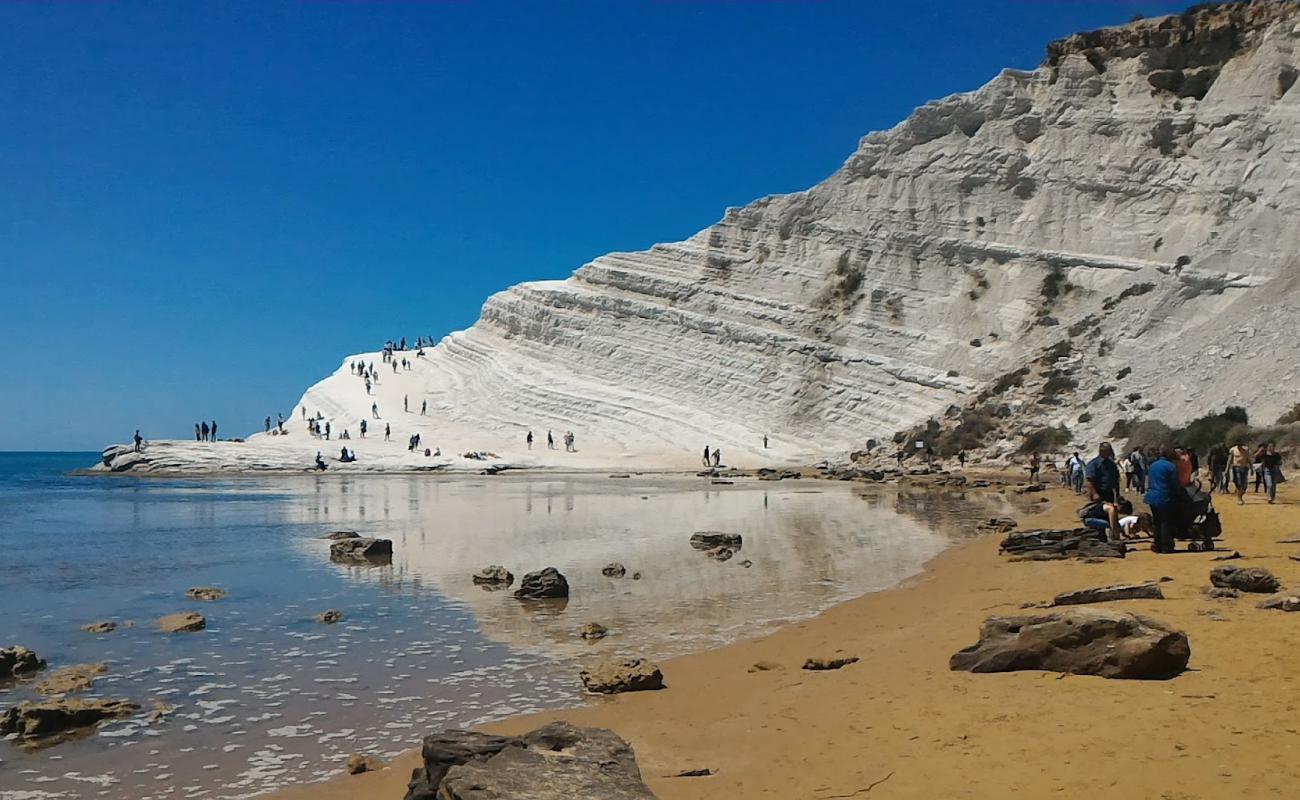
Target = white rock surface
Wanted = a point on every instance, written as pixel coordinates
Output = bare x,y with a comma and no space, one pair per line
910,279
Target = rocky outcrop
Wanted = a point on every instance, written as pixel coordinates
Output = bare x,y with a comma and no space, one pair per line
593,631
1106,594
52,717
335,536
709,540
358,764
616,677
555,762
1282,601
18,660
1050,545
494,576
71,679
833,662
1245,579
542,585
185,622
362,550
1078,641
205,593
997,525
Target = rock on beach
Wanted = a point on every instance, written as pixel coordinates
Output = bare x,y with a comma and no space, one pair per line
18,660
544,584
630,675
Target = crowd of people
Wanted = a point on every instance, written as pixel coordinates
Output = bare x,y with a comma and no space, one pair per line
1167,479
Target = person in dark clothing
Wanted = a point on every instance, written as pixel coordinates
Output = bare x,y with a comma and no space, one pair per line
1166,497
138,439
961,458
203,428
320,462
550,441
530,440
1102,474
363,429
266,425
327,431
388,432
706,456
1196,461
214,430
198,434
1270,463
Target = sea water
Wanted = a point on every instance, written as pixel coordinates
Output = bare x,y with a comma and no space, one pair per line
266,696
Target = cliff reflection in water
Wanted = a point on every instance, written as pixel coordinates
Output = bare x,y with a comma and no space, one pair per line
811,544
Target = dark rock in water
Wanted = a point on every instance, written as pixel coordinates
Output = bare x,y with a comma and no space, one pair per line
340,535
494,575
49,717
614,570
835,662
362,549
1105,594
1078,641
330,617
186,622
72,679
1245,579
205,593
107,626
707,473
1047,545
630,675
555,762
593,631
1282,601
997,524
546,583
18,660
709,540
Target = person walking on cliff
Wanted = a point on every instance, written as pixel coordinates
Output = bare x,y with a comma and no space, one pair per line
138,439
550,441
765,441
406,404
214,430
717,457
374,410
363,429
529,439
706,455
327,431
1035,464
424,406
388,432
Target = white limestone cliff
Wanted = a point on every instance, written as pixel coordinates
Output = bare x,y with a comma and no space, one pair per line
1137,194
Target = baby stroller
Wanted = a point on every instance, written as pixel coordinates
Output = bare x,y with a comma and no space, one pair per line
1201,523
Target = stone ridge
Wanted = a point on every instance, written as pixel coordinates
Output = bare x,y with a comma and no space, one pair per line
1206,35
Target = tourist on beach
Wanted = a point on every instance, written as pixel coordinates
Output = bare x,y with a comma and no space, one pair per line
529,439
1166,497
1125,472
1075,465
406,404
320,462
388,433
1218,465
1271,464
138,439
1184,463
1258,465
374,409
363,429
1239,458
550,441
1138,462
717,456
1195,461
1102,475
367,386
1105,515
198,434
706,456
424,406
765,441
345,434
327,431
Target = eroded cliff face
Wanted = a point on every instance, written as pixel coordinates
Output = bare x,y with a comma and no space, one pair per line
1136,195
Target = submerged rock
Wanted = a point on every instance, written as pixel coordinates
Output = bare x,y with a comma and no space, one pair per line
630,675
67,680
555,762
358,764
593,631
336,536
543,584
107,626
494,576
18,660
207,593
1078,641
613,570
49,717
362,549
186,622
1105,594
330,617
1245,579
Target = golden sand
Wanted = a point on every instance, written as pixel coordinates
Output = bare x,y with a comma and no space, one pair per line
899,724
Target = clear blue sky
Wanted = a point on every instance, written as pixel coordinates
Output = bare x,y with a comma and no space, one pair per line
205,206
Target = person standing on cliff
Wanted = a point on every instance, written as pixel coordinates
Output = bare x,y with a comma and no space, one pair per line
214,430
266,425
198,434
424,406
138,439
765,441
388,432
529,439
374,409
406,404
327,431
706,455
1035,464
550,441
717,457
203,429
363,429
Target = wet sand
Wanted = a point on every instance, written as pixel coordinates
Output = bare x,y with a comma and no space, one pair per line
899,724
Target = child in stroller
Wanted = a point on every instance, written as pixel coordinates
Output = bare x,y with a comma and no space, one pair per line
1201,523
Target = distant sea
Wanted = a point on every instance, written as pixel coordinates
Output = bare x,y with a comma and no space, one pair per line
266,695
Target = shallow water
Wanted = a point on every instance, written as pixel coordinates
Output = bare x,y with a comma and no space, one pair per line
267,696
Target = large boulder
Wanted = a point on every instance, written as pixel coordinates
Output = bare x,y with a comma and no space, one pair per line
18,660
362,550
543,584
1282,601
630,675
29,720
555,762
1105,594
1078,641
1245,579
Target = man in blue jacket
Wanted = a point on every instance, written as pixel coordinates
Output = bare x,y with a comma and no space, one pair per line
1102,474
1166,497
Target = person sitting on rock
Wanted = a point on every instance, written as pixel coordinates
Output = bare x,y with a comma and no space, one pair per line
320,462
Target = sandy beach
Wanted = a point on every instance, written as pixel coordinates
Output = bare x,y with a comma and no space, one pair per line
899,724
